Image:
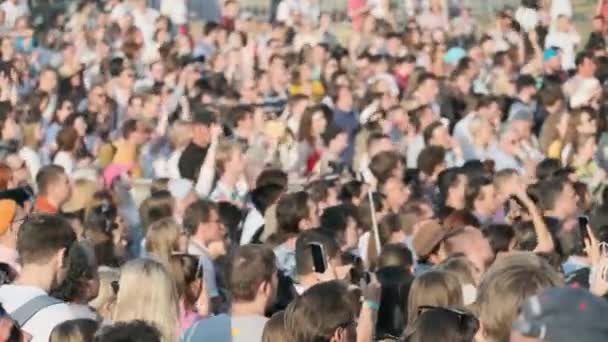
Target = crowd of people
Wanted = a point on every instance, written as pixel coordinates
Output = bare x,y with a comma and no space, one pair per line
423,176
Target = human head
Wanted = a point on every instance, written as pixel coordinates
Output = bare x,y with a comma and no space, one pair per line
341,223
385,165
147,292
431,161
81,282
471,243
395,192
159,205
480,197
188,276
428,87
274,330
162,239
436,288
132,331
452,184
202,120
322,313
436,134
296,213
54,184
42,242
304,261
557,198
67,139
229,158
506,285
74,331
585,64
252,277
202,222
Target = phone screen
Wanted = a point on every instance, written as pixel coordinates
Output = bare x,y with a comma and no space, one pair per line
318,257
583,222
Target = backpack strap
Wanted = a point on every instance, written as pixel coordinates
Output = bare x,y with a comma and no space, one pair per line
26,311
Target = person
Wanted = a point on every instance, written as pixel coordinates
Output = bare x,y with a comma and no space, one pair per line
75,331
322,313
12,218
134,135
136,331
54,189
162,240
189,281
203,226
307,276
81,283
67,145
433,288
105,229
193,156
274,330
136,302
42,244
253,283
500,293
105,300
230,164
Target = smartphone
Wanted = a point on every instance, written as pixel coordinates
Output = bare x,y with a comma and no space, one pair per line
583,223
319,261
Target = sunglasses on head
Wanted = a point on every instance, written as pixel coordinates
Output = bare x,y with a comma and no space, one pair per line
464,318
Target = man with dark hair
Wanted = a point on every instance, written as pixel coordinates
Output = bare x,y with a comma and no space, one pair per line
133,331
437,134
340,222
42,244
295,213
431,162
481,199
526,91
252,280
585,72
54,189
557,199
202,224
241,119
385,165
396,193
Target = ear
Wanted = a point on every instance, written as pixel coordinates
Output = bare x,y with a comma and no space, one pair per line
265,288
339,335
61,258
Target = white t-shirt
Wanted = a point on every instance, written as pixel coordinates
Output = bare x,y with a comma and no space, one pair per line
567,42
42,323
176,10
13,12
65,160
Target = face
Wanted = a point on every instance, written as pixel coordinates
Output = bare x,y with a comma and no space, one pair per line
319,123
587,124
566,201
214,229
351,235
48,81
81,126
127,78
396,193
11,129
237,161
430,89
441,137
201,133
458,190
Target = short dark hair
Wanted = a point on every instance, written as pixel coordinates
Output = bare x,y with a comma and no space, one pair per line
291,210
133,331
317,314
240,113
447,179
41,236
383,164
430,130
473,190
548,192
197,213
304,262
251,266
47,176
272,176
430,158
525,81
128,128
499,236
395,255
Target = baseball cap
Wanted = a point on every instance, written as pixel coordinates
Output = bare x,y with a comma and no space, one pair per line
203,116
563,315
8,209
454,55
428,236
549,54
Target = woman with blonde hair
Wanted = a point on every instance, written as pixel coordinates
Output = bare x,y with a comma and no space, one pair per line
146,291
106,297
162,239
436,288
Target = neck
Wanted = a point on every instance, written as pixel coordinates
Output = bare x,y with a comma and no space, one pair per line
36,276
342,108
248,308
307,281
229,179
554,213
483,213
199,142
450,202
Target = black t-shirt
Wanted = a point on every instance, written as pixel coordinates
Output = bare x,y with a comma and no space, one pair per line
191,161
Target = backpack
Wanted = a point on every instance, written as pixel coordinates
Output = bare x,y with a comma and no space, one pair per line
30,308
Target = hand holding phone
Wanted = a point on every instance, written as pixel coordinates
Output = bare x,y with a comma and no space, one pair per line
319,261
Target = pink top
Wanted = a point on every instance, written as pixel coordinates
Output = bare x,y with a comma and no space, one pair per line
187,318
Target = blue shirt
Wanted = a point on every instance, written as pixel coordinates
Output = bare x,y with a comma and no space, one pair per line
349,123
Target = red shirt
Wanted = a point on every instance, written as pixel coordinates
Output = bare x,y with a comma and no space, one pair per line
43,206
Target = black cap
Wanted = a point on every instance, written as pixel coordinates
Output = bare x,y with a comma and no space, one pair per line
203,116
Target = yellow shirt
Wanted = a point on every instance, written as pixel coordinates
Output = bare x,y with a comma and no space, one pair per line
555,150
128,154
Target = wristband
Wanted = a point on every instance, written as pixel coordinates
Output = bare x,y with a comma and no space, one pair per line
371,305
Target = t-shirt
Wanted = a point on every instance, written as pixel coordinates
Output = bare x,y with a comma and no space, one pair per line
42,323
191,161
224,328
